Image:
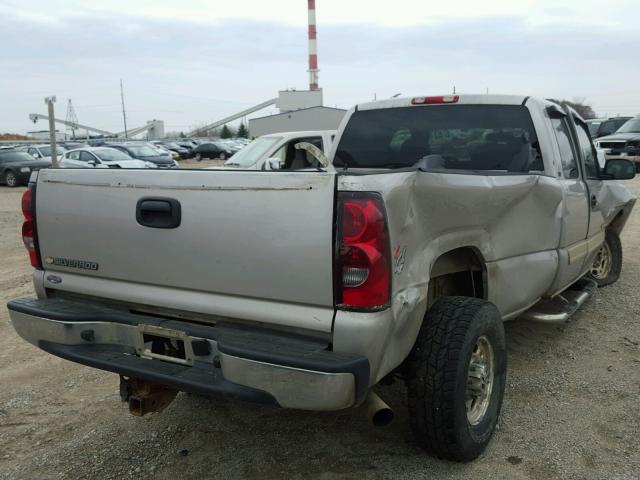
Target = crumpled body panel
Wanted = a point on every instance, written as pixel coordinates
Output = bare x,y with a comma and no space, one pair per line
514,223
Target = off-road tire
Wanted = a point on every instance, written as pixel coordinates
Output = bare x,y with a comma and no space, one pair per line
436,373
10,179
611,275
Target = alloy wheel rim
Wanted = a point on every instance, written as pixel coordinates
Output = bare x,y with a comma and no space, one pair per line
480,380
11,179
602,264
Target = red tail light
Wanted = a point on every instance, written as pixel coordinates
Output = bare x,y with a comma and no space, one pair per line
29,234
435,100
363,264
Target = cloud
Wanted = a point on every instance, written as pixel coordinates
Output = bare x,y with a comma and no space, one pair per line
186,72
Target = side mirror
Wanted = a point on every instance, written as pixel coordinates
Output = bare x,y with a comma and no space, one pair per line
273,163
619,169
93,163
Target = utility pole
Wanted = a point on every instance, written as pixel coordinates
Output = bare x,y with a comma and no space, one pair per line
49,101
124,113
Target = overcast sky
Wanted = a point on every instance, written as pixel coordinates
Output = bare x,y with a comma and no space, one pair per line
193,61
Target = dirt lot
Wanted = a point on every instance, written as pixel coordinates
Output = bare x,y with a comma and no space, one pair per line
572,407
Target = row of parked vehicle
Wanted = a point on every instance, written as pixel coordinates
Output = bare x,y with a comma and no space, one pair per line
617,137
17,162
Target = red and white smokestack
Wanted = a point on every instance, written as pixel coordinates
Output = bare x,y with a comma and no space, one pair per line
313,48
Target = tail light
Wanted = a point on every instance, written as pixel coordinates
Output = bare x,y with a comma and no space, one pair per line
363,252
29,234
435,100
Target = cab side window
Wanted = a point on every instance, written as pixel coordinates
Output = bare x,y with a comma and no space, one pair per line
569,162
74,156
589,154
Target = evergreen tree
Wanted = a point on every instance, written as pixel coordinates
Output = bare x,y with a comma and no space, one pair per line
226,132
243,132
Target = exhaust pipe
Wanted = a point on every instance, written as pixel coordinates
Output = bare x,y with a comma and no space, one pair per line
379,413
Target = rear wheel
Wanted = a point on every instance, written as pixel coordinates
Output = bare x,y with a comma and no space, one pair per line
456,376
607,265
222,156
10,179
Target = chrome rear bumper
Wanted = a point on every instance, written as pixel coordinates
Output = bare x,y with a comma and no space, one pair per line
242,364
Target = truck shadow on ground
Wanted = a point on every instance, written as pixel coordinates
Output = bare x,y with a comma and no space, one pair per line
269,442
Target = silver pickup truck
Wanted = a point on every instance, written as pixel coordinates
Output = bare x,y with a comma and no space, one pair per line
438,219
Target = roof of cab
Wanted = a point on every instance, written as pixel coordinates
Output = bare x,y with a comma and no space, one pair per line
303,133
462,100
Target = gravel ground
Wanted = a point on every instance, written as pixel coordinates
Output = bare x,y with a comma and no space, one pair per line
571,407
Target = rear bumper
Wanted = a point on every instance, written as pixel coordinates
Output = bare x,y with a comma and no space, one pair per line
222,360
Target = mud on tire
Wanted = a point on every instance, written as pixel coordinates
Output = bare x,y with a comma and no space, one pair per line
443,378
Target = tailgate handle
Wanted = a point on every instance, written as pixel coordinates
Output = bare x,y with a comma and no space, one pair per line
157,212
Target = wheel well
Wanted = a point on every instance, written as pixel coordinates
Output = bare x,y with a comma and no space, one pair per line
458,272
618,222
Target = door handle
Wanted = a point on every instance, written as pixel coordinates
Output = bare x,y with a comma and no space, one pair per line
594,201
158,212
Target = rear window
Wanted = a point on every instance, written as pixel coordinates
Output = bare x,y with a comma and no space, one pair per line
448,137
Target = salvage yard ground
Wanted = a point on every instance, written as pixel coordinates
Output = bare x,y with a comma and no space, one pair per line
572,407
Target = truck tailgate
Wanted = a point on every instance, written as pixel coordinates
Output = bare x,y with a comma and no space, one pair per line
259,236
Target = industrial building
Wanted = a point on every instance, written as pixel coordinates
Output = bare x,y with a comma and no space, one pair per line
312,118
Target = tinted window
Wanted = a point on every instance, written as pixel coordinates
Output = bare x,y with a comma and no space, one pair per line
453,137
632,126
589,155
15,157
111,155
569,163
142,151
87,157
73,155
607,128
46,151
593,128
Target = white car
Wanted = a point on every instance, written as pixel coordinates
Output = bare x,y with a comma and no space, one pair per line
101,157
42,152
276,151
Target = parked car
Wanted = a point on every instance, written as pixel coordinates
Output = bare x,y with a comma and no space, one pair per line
73,145
624,143
164,151
277,151
600,127
184,144
438,219
183,152
16,167
42,152
211,150
145,153
102,157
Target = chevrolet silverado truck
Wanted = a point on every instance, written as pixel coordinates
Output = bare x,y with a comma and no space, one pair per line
435,220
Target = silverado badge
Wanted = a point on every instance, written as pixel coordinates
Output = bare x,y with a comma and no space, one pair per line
71,263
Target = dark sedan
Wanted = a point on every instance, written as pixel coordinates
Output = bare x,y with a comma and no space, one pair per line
145,153
180,150
16,167
211,150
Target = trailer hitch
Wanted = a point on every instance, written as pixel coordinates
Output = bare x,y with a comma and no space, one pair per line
145,397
